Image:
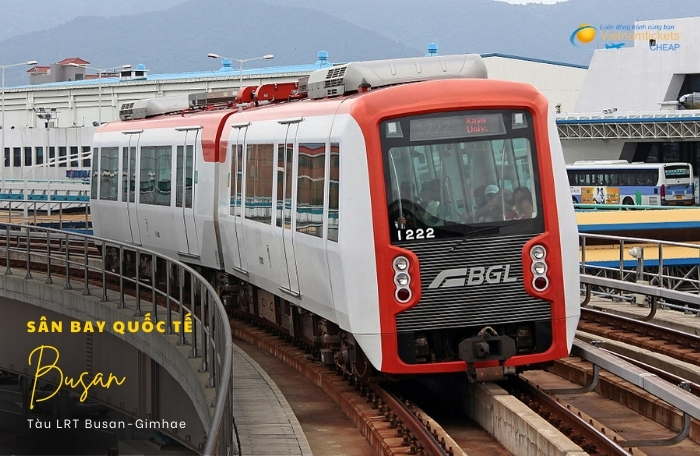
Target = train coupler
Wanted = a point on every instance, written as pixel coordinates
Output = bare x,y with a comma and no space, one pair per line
488,374
487,346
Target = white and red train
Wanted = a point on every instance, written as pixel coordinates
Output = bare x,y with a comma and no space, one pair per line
407,213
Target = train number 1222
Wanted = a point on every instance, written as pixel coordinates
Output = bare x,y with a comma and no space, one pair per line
420,233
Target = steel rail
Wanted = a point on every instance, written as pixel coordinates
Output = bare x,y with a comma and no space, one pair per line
595,441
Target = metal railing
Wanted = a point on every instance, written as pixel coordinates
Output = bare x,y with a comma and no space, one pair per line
614,265
586,207
54,212
675,395
73,255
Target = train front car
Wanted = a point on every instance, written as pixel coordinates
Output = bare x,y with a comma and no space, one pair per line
475,234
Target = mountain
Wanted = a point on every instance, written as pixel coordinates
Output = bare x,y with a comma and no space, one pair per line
179,37
21,16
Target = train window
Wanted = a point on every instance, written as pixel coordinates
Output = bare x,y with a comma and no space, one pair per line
184,176
52,156
7,157
128,173
284,185
310,188
238,180
147,175
443,182
40,156
109,169
189,175
16,157
333,188
95,171
163,171
179,176
280,184
258,185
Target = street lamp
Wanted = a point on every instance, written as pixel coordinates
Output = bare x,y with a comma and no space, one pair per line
240,63
100,72
30,62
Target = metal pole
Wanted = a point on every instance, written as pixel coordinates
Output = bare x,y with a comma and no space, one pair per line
105,298
8,271
99,97
86,290
206,334
137,311
49,280
68,286
168,317
154,263
3,129
29,256
240,78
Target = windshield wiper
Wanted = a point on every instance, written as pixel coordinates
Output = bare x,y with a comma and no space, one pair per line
472,233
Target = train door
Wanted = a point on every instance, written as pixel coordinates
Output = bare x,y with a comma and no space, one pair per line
240,262
129,180
185,227
285,205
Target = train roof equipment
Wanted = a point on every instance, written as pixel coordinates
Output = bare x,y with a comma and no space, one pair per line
328,82
348,78
140,109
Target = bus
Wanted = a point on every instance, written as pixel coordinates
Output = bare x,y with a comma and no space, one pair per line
621,182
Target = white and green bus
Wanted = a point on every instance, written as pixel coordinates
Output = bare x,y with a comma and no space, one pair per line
621,182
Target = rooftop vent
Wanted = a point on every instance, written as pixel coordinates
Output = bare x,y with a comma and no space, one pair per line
151,107
203,99
343,79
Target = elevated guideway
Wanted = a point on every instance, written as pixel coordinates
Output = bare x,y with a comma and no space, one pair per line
178,369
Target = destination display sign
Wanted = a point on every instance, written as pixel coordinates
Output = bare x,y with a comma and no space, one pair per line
677,171
457,126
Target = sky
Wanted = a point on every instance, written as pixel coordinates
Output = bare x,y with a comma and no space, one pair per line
522,2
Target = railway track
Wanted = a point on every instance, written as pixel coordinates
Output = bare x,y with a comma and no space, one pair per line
391,425
389,422
567,420
644,335
635,420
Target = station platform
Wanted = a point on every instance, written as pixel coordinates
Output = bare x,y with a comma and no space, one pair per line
608,255
265,423
668,224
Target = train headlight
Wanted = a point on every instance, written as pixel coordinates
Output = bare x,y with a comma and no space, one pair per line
538,254
402,279
400,263
539,268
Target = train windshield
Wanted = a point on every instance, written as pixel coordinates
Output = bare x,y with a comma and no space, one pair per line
461,174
